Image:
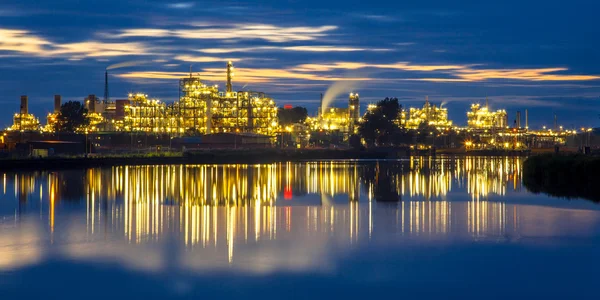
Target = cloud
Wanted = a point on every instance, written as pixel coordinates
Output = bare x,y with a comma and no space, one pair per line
315,48
181,5
98,49
204,59
22,41
25,42
544,74
257,75
456,73
357,65
265,32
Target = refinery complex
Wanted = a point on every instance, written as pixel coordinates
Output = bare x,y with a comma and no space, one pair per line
203,110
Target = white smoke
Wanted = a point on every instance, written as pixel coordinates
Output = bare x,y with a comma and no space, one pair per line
127,64
335,90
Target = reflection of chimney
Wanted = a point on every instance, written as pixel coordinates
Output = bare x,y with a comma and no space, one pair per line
57,103
24,105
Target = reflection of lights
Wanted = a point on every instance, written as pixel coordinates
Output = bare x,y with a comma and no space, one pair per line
213,205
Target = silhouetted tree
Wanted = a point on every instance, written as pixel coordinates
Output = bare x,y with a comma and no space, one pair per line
380,123
354,141
72,116
290,116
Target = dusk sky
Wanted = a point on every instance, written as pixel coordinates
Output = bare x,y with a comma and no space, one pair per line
543,56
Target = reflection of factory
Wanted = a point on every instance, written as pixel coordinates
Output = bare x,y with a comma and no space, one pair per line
337,118
201,109
226,206
430,115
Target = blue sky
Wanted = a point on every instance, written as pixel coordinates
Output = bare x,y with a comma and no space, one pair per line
537,55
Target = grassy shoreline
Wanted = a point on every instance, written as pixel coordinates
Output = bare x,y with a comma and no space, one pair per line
567,176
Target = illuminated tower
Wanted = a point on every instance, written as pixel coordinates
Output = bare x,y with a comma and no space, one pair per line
353,108
353,111
229,76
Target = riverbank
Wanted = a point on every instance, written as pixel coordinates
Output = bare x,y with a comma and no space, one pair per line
254,156
568,176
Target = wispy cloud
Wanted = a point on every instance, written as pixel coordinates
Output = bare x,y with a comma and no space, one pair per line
457,73
265,32
181,5
204,59
314,48
22,41
257,75
25,42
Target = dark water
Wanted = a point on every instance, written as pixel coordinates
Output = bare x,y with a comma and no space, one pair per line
428,229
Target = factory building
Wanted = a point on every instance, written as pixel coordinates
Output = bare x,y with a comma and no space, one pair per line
430,114
201,109
480,117
23,120
345,120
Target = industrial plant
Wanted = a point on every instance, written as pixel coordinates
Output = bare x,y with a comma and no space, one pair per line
228,118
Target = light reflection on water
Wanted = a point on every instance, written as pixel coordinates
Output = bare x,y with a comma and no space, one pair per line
259,219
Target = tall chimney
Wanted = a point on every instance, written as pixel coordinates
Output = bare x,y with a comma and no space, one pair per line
106,86
519,119
526,120
57,103
91,103
24,105
229,76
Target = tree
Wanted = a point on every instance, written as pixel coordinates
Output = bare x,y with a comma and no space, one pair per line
354,141
380,124
289,116
72,117
390,107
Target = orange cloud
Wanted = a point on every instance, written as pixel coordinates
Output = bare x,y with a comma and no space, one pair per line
22,41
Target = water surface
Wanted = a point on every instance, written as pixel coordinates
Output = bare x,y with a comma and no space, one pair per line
439,228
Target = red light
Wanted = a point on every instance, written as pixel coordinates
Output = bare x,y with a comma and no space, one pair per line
287,193
288,106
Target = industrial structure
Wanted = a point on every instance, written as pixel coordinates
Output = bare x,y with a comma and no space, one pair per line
23,120
340,119
229,116
430,115
481,117
201,109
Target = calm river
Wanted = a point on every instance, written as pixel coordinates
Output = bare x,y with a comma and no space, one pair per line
417,228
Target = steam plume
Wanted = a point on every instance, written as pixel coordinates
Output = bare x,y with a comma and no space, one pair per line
335,90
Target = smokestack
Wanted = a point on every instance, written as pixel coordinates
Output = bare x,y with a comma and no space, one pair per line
320,109
555,122
519,119
106,86
229,76
526,120
24,105
91,103
57,103
354,107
